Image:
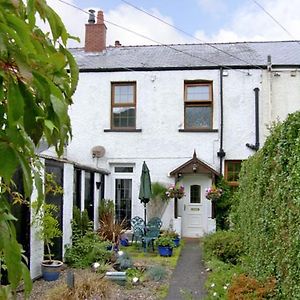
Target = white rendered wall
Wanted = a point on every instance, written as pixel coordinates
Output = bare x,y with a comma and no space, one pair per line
160,114
280,96
67,204
36,245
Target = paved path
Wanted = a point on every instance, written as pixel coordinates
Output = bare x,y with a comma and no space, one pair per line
188,278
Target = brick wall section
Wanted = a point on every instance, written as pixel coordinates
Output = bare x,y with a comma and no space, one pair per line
95,35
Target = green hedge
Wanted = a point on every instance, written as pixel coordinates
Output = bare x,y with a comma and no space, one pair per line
268,212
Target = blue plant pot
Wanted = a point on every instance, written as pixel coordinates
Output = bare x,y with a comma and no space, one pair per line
165,251
52,270
176,242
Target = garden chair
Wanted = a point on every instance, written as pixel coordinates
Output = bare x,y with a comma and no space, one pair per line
155,222
152,233
138,234
136,222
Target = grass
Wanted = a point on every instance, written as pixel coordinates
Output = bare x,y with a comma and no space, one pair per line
139,255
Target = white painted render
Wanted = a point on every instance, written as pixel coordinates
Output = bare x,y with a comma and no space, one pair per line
67,204
280,96
160,114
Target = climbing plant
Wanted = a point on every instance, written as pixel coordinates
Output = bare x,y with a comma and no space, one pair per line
35,92
268,213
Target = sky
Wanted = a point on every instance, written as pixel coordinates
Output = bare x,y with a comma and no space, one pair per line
203,20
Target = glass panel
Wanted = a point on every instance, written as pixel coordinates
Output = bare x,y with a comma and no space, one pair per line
89,194
123,169
195,194
198,116
124,94
123,199
233,170
197,93
124,117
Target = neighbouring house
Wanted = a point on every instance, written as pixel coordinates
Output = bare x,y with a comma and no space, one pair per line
192,112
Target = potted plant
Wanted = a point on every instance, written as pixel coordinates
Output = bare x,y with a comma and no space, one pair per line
48,229
174,235
213,193
165,245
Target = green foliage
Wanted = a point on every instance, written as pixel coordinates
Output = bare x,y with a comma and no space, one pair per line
109,229
165,241
132,273
35,92
156,273
171,233
47,225
106,209
123,262
81,224
224,245
159,191
219,278
268,213
224,205
87,250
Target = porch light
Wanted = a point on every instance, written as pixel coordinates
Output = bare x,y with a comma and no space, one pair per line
194,168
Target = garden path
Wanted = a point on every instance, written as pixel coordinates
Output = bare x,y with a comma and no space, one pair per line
188,278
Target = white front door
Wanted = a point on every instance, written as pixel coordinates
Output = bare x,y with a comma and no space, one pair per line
193,206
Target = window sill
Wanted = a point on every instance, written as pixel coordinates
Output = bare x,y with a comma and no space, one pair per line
198,130
123,130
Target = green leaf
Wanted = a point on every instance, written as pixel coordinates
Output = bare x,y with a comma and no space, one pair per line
15,104
12,252
27,280
9,161
73,70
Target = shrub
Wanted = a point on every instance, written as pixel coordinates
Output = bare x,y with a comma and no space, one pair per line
268,212
219,278
245,287
156,273
123,262
87,250
81,224
224,245
224,205
87,286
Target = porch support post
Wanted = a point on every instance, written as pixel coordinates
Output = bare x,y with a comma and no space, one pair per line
175,208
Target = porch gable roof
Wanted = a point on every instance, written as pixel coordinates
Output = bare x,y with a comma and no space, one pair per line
194,166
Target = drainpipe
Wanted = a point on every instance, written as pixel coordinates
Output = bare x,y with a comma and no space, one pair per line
256,145
221,154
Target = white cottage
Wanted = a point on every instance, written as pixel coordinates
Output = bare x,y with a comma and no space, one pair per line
191,112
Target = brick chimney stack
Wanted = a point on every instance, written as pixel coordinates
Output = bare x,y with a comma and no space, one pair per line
95,34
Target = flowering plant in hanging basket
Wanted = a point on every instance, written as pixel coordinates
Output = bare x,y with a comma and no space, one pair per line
213,193
175,191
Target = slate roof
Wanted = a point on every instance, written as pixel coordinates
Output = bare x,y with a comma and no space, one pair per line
189,56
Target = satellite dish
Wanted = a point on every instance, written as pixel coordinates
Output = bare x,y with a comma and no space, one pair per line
98,151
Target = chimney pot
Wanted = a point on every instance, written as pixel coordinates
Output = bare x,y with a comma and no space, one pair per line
91,19
117,44
100,17
95,33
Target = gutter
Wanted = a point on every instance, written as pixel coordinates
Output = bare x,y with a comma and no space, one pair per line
221,154
255,147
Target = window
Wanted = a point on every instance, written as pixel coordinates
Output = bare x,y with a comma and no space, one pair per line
123,108
195,194
232,171
123,169
198,105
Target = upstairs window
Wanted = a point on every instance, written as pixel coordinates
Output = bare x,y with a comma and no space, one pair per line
123,108
232,171
198,105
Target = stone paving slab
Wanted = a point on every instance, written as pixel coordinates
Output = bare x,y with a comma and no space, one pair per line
188,278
